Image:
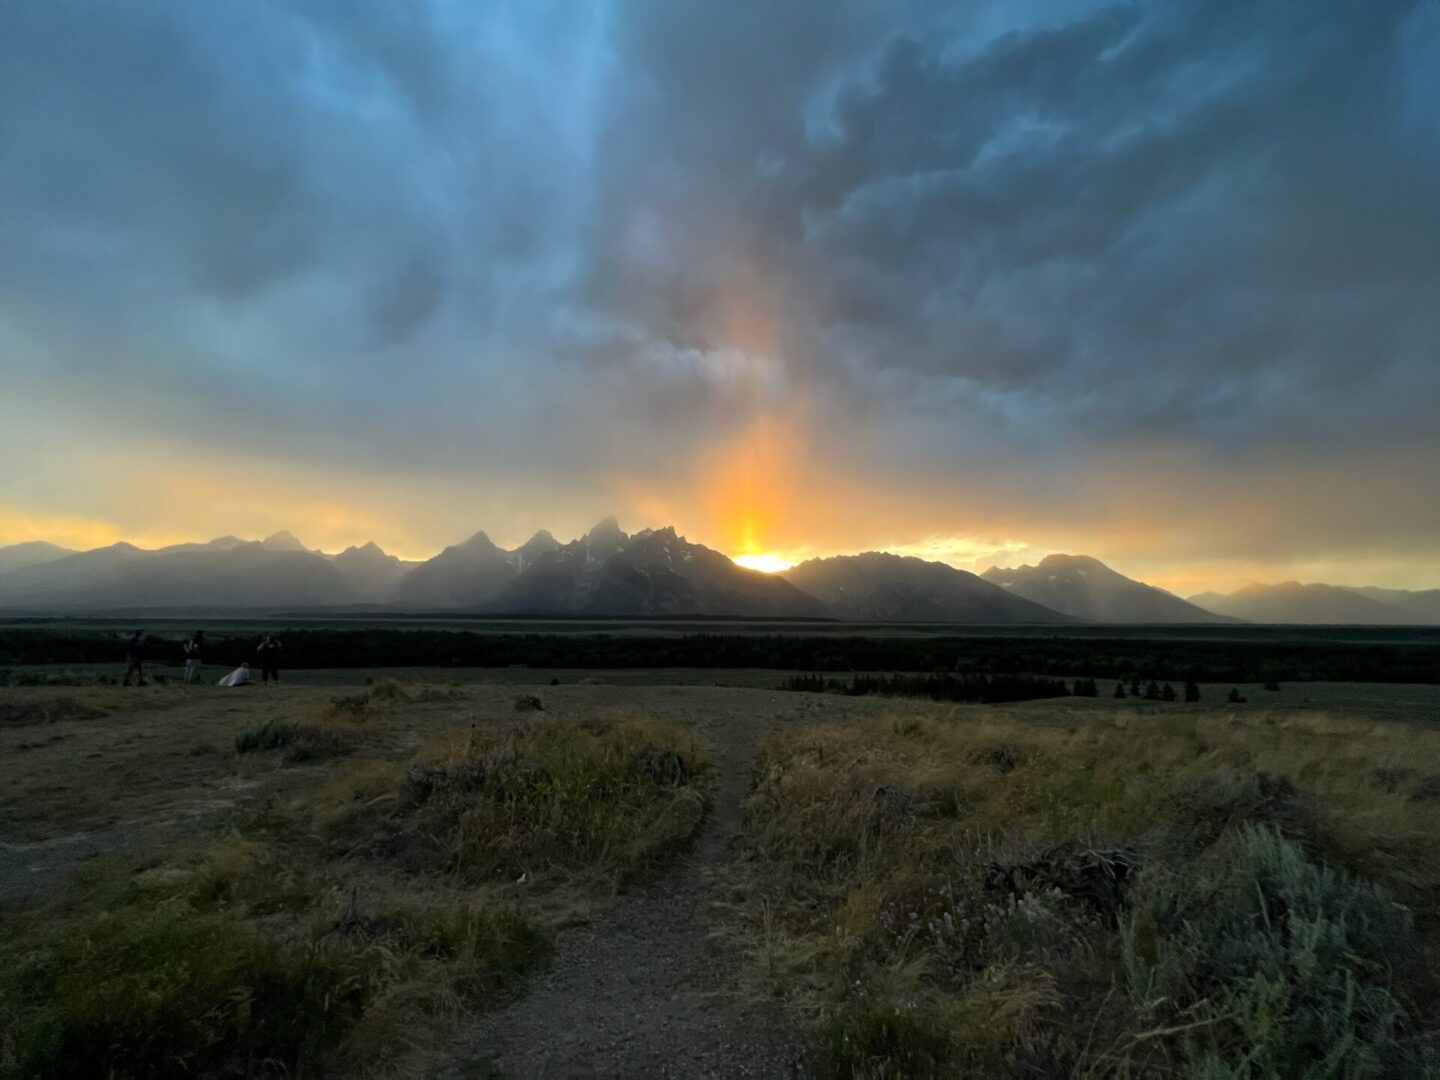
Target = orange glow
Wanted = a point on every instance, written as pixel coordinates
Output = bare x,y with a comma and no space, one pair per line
767,562
18,525
747,487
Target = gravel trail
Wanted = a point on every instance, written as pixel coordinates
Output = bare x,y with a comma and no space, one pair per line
646,989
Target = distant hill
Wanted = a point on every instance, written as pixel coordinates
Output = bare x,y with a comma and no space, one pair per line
124,576
1086,588
30,553
1292,602
68,582
1423,604
878,586
655,572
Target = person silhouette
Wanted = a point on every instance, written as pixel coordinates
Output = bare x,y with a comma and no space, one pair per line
269,654
193,650
135,658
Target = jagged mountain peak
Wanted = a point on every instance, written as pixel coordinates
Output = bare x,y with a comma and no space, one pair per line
284,540
606,531
479,542
543,540
369,550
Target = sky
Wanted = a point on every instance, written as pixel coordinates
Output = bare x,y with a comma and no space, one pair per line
1155,282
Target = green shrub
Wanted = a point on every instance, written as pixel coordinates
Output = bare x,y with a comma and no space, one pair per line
1287,965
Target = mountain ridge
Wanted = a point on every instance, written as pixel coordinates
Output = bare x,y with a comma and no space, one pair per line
879,586
652,572
1315,603
1084,587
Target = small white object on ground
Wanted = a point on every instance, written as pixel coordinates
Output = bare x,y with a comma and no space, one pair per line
239,677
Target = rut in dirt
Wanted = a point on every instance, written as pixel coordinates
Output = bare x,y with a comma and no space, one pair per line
647,989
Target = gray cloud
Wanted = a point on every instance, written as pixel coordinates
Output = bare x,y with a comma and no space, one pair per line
1030,236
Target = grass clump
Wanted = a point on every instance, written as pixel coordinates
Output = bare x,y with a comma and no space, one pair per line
996,894
600,799
167,991
597,802
269,735
300,741
232,962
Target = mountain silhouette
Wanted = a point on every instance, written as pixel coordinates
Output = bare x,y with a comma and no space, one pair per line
30,553
1292,602
655,572
464,575
284,540
124,576
878,586
1086,588
1423,604
371,575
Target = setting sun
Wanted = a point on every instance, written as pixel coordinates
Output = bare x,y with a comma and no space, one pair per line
767,562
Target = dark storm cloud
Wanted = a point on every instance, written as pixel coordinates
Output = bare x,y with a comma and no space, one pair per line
416,234
1158,217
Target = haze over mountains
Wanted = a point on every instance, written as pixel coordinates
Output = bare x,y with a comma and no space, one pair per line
881,587
1086,588
654,572
1292,602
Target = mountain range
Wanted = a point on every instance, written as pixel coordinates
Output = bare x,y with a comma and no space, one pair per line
654,572
1086,588
1292,602
881,587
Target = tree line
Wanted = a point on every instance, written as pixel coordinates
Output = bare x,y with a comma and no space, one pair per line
1158,659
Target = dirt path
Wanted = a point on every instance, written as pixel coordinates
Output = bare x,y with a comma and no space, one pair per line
646,989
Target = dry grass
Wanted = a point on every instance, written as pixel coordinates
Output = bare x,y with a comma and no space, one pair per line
343,922
921,883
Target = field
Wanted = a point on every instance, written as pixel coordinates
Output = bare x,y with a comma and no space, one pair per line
443,871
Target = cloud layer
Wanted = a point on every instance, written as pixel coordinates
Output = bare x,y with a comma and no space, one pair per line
1157,280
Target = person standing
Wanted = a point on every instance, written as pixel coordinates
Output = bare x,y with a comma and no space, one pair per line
135,658
269,653
193,650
